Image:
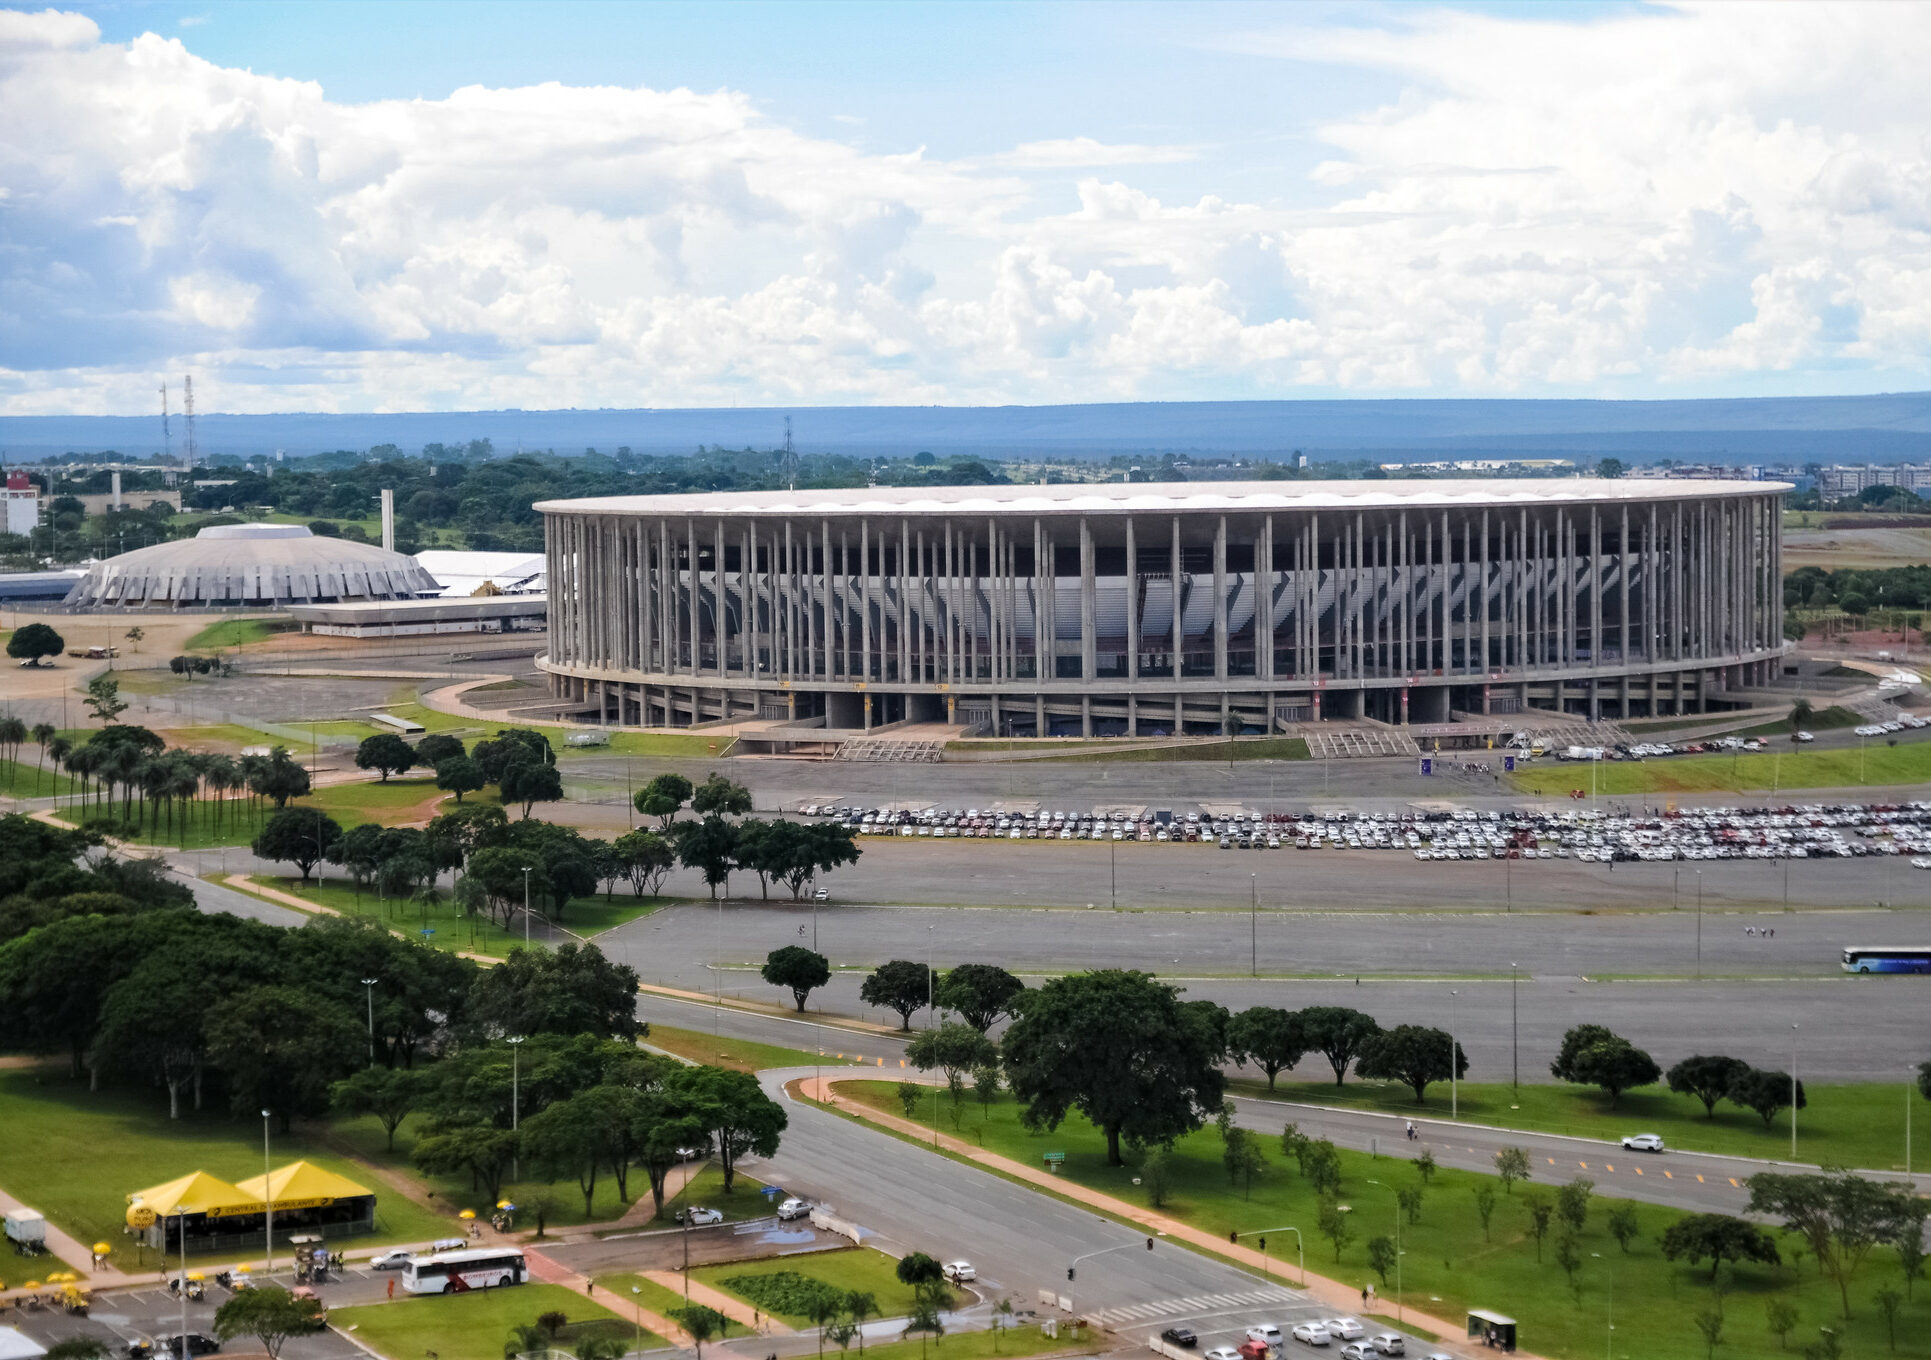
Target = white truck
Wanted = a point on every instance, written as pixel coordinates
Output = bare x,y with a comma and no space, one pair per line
1583,753
27,1230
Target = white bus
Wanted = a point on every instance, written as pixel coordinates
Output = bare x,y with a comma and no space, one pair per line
458,1272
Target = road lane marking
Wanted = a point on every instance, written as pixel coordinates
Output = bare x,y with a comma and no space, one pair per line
1607,1167
1733,1182
1699,1178
1668,1177
1639,1171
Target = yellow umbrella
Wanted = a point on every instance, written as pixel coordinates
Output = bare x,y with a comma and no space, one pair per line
196,1275
243,1270
504,1204
467,1213
31,1284
103,1248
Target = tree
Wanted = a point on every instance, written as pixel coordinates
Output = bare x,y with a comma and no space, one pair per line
663,797
646,857
1569,1262
474,1149
571,990
279,778
459,775
1122,1049
1623,1225
303,836
954,1049
743,1121
1720,1238
1888,1301
1273,1039
1709,1325
270,1314
1413,1055
1924,1080
1426,1167
391,1094
1780,1318
1840,1216
529,783
1484,1206
987,1085
1765,1092
386,753
103,695
579,1135
512,746
1707,1077
1910,1254
1609,467
916,1268
1572,1203
710,846
1323,1167
909,1093
1541,1213
899,985
282,1048
1381,1257
700,1324
982,994
1331,1221
437,747
1615,1065
1338,1034
817,848
801,970
1511,1165
720,797
32,641
79,1348
1156,1174
860,1304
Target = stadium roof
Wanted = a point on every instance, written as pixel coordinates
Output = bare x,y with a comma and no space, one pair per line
1112,498
251,564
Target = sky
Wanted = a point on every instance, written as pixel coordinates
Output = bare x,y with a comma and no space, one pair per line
356,206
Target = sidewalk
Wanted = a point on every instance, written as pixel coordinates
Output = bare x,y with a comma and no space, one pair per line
1343,1297
737,1310
76,1256
778,1009
549,1272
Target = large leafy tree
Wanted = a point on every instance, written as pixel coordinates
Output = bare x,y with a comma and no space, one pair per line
663,797
527,784
709,846
1707,1077
982,993
437,747
459,775
386,753
1338,1034
512,746
646,857
56,978
898,985
571,990
279,778
282,1048
741,1119
802,971
584,1135
1414,1055
390,1094
1841,1216
271,1315
1613,1064
954,1049
1271,1038
32,641
718,796
475,1149
1122,1049
1719,1238
300,835
1766,1092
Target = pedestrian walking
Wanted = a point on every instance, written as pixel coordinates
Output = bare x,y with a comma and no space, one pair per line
392,1286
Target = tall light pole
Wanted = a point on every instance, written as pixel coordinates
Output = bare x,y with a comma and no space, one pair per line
181,1235
368,991
1699,924
1609,1341
515,1042
526,906
1261,1233
1254,927
1793,1093
268,1203
1515,1032
1454,1089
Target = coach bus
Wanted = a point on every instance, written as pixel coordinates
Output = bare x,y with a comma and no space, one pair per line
1887,960
458,1272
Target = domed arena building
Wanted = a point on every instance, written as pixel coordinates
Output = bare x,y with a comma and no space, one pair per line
253,566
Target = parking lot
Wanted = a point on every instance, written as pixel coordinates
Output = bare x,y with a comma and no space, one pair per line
1221,1321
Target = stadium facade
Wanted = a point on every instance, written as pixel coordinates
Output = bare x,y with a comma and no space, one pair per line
1144,609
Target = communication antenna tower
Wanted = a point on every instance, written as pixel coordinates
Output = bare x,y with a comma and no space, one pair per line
187,410
167,439
790,457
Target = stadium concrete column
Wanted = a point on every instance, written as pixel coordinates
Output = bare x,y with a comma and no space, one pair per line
1220,604
1132,631
1264,608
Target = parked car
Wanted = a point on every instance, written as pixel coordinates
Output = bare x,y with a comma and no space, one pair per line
1643,1142
794,1208
1359,1350
698,1217
392,1260
1388,1343
1180,1336
1222,1353
1311,1333
161,1347
960,1271
1255,1350
1265,1332
1345,1329
822,895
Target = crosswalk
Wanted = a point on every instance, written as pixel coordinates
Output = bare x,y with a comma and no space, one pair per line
1197,1303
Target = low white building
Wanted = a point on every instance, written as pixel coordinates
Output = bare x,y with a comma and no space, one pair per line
463,574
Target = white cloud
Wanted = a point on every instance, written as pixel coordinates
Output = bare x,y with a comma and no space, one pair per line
1652,202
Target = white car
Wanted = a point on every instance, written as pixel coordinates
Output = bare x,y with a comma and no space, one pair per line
699,1218
1345,1329
1806,736
391,1260
1222,1353
1643,1142
1389,1343
822,895
794,1208
1359,1350
960,1271
1311,1333
1266,1333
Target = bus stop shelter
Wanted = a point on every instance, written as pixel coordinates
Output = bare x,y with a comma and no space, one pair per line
1493,1330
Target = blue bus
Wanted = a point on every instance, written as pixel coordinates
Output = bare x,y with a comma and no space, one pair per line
1887,960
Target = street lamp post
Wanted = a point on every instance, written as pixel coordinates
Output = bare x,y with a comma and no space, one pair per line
1261,1233
181,1235
1793,1093
1515,1042
515,1042
1454,1088
1699,924
368,990
268,1203
526,906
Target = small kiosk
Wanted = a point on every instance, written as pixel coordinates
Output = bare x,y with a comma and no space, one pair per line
1491,1329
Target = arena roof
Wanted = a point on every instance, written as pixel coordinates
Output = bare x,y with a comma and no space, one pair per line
251,564
1112,498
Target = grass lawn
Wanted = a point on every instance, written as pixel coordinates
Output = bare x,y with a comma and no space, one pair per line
649,1294
474,1326
1449,1263
453,930
706,1190
236,821
234,633
740,1055
850,1269
1823,720
227,737
1878,764
1859,1124
76,1155
23,779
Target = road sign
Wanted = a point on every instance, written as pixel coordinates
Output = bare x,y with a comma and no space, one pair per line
1508,764
1428,765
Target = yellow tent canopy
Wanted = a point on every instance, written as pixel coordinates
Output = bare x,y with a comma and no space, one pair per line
198,1193
301,1184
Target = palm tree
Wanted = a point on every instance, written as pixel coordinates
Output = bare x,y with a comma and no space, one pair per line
12,732
58,748
222,776
526,1339
81,762
600,1348
42,734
